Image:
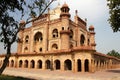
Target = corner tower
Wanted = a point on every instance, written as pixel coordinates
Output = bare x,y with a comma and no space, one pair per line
64,33
92,37
20,35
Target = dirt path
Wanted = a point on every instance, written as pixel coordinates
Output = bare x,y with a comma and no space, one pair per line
63,75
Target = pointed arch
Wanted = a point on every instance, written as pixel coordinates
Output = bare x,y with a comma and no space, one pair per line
71,34
79,65
57,64
86,65
48,64
12,63
26,64
20,63
38,37
26,39
68,64
26,49
54,47
32,64
82,40
39,64
55,33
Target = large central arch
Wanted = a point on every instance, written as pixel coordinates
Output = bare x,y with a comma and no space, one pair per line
38,37
68,64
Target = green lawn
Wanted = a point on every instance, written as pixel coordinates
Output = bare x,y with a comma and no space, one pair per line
5,77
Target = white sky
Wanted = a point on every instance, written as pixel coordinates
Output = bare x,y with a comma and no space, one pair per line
97,14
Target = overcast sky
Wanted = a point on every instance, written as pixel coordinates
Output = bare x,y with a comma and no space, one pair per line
97,14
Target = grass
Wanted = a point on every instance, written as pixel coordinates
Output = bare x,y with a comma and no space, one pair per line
6,77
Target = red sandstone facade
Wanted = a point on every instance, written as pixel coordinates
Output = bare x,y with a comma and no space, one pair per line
56,42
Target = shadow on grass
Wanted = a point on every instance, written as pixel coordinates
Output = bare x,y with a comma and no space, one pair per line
6,77
114,71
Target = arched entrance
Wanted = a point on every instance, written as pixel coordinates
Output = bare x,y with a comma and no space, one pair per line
12,63
86,65
68,64
39,64
7,64
48,64
79,65
20,63
57,64
32,64
26,63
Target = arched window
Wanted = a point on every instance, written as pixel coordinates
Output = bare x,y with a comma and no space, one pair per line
40,49
82,40
54,47
26,49
26,39
55,33
71,34
38,37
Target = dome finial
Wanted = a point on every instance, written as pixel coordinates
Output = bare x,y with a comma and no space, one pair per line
76,12
65,10
65,5
91,28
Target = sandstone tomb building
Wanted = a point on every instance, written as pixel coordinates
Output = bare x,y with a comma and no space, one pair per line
56,42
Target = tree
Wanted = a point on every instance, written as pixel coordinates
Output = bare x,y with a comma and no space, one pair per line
114,11
114,53
10,25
